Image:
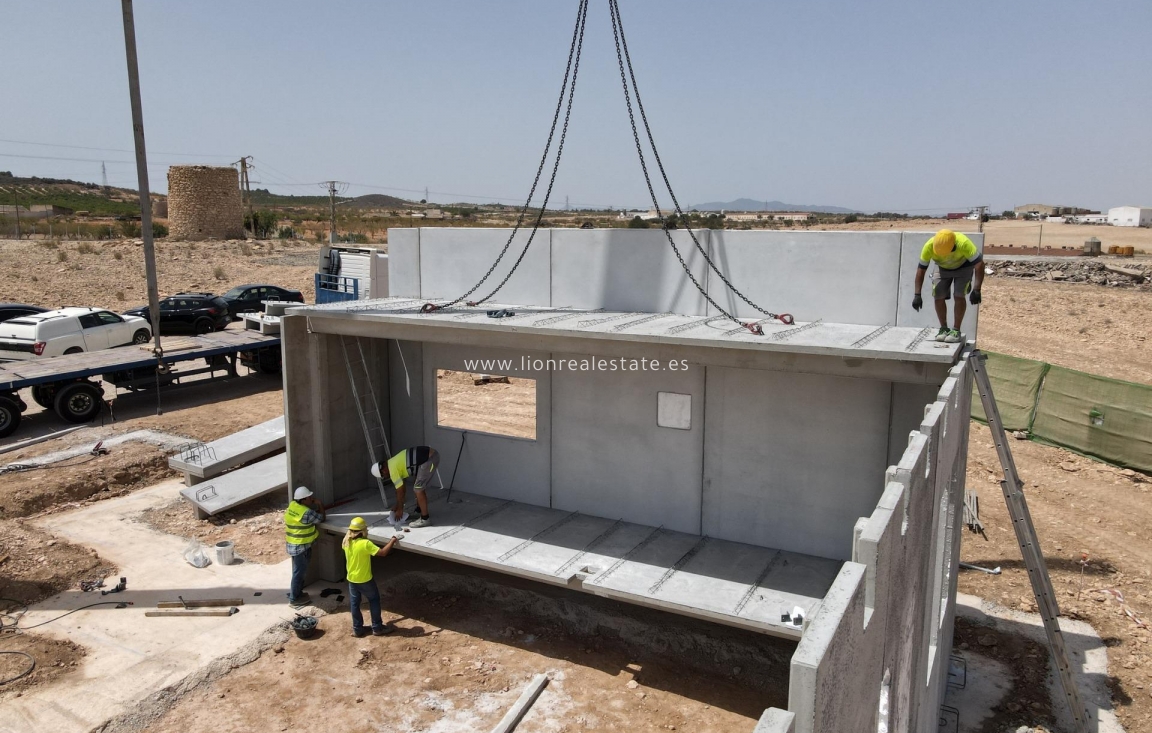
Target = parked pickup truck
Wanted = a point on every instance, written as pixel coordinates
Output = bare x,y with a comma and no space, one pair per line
69,331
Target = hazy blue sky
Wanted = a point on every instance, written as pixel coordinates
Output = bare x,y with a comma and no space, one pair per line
878,105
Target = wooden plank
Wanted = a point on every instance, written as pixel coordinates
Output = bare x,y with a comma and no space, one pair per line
203,603
222,612
520,708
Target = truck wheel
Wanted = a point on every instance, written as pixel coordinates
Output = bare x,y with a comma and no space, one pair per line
141,337
79,402
73,350
269,361
42,395
9,416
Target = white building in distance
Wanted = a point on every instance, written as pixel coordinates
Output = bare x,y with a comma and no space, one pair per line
1130,216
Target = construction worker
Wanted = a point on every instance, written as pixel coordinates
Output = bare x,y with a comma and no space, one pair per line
300,520
358,554
418,463
959,272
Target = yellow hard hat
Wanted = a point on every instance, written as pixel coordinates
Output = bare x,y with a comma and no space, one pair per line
944,242
357,524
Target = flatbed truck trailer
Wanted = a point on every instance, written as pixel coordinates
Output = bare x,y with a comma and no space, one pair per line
65,383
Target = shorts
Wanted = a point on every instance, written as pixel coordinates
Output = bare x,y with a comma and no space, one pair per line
942,282
426,469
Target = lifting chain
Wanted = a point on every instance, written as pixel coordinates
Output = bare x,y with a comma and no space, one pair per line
573,69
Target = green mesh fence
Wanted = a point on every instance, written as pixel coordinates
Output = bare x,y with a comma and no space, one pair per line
1095,416
1015,383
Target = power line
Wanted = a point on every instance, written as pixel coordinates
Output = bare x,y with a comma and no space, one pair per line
113,150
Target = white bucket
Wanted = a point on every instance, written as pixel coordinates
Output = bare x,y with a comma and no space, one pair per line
225,552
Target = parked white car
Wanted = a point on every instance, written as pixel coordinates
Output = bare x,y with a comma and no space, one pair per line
69,331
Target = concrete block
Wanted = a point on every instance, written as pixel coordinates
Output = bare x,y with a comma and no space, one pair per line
239,486
775,720
627,270
792,460
404,263
453,260
231,451
841,277
610,458
911,245
493,465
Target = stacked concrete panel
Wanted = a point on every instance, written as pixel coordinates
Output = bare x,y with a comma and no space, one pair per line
204,203
842,277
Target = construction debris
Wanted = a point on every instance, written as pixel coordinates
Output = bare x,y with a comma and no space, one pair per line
1094,271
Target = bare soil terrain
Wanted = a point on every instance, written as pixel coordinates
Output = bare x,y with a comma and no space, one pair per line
255,528
466,645
110,274
1085,512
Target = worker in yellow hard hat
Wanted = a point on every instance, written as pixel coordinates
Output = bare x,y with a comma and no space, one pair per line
358,554
959,273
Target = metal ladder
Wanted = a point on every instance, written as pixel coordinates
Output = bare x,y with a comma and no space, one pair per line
366,406
1029,544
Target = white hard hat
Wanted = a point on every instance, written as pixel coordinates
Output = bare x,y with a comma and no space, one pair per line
376,470
302,492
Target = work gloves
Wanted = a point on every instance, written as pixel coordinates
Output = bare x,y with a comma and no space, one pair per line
974,298
918,302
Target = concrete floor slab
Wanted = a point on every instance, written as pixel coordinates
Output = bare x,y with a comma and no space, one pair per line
231,451
733,583
130,657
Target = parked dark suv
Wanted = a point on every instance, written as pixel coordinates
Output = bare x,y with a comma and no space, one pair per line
250,298
189,313
16,310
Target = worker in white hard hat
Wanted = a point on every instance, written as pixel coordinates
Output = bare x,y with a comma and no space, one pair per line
959,274
358,554
417,463
304,512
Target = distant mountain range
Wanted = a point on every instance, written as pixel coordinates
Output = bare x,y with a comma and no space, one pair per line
751,205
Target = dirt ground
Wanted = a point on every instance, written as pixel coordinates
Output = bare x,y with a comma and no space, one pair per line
256,528
466,645
70,273
493,407
1080,507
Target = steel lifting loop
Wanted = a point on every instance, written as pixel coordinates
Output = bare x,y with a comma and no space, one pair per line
786,318
754,328
429,308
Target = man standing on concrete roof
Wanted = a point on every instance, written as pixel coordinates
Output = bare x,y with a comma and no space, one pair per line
304,512
420,463
957,262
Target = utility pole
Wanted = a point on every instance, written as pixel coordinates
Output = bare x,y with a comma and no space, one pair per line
334,188
244,164
142,177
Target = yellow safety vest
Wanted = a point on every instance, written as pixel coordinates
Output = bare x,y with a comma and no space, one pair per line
295,532
398,468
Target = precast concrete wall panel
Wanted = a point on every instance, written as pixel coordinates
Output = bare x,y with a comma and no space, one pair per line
792,460
627,270
841,277
611,459
453,260
911,246
404,263
499,466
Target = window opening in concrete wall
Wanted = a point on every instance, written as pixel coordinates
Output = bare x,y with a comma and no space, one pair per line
486,403
674,410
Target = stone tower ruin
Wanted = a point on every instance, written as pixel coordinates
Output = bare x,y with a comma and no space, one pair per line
204,202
